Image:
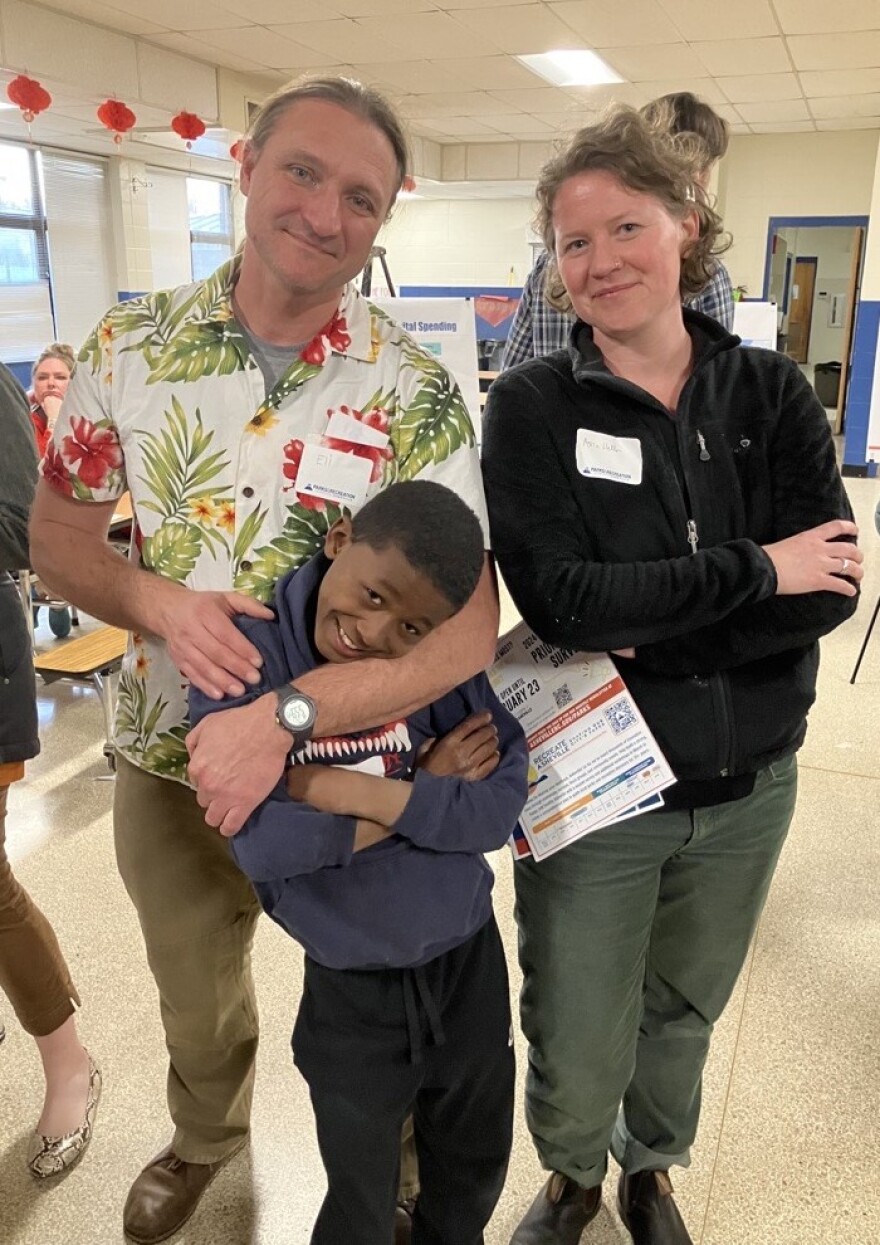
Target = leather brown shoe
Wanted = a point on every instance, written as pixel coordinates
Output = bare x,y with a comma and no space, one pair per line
403,1221
165,1195
559,1213
648,1209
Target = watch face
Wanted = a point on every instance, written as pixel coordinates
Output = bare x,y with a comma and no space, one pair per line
296,713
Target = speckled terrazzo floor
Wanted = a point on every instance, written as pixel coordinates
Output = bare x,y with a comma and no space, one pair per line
789,1148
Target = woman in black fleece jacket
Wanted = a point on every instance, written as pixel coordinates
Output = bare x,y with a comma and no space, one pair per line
659,491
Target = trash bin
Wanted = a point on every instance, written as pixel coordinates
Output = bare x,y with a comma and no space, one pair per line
826,382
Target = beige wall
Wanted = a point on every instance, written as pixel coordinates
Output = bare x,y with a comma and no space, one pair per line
459,242
827,174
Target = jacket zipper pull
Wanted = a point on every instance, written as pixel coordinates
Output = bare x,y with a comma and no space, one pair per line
693,537
704,453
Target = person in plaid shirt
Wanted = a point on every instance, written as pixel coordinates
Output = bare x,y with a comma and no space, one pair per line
539,329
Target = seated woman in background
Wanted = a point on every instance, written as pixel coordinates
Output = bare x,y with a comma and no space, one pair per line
49,380
33,974
50,377
662,492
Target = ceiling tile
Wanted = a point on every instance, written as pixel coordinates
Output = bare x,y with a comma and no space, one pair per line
447,126
415,77
846,106
517,123
377,8
752,88
782,127
660,61
264,46
539,99
707,88
449,104
840,82
729,113
838,51
740,128
520,29
187,45
596,97
454,6
342,39
720,19
774,110
437,33
269,12
849,123
107,15
742,56
809,17
193,15
491,73
609,24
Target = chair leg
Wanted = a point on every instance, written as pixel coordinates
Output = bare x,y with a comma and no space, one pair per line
105,689
865,641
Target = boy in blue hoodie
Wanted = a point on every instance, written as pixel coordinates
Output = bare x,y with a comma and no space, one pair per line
369,854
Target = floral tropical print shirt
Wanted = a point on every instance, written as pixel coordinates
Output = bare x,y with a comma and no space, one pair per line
231,487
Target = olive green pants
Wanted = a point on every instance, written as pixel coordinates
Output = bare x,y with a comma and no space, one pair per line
33,973
631,942
198,913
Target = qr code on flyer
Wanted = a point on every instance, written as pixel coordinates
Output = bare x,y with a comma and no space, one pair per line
620,716
562,695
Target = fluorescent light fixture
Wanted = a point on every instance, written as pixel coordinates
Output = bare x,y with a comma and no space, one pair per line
571,68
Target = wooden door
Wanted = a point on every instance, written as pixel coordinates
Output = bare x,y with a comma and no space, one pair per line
801,309
852,298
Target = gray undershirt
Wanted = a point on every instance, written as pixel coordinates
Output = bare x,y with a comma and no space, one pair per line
272,360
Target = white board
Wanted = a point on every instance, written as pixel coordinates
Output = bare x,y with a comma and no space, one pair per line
755,323
445,327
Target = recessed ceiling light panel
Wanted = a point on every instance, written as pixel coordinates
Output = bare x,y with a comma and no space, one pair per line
571,68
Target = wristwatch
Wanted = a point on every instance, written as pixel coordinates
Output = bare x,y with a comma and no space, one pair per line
296,712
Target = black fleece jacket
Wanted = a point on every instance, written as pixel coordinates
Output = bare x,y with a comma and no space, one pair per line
725,670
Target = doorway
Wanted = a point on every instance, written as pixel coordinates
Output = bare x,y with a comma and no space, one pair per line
813,273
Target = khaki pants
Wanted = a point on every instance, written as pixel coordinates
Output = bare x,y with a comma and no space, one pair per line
198,913
33,974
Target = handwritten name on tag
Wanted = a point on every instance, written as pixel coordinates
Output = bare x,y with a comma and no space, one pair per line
340,478
603,457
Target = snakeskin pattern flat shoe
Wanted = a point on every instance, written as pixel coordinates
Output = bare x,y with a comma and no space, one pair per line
50,1156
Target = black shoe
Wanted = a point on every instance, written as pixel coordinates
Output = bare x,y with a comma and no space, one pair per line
559,1213
648,1209
403,1220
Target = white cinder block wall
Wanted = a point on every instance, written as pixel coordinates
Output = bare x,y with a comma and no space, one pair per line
459,242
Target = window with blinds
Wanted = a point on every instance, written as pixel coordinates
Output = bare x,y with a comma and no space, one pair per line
56,271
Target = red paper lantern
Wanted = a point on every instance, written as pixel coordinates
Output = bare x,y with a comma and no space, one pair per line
188,126
27,94
115,116
409,184
237,152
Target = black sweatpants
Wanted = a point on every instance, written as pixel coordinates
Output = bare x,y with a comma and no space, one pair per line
375,1046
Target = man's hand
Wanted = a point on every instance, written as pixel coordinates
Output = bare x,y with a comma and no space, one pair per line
236,758
204,643
817,560
470,751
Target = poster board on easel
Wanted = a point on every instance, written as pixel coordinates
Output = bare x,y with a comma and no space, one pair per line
446,328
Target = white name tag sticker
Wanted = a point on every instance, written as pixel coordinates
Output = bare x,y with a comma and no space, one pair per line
603,457
345,428
337,477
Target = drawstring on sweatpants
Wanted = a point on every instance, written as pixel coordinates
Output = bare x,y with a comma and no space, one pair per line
415,982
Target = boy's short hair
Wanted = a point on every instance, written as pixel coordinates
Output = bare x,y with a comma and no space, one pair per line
433,528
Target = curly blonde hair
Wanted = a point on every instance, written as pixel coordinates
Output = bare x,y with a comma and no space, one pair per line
57,350
645,156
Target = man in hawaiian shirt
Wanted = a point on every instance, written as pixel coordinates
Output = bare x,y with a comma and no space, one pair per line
243,413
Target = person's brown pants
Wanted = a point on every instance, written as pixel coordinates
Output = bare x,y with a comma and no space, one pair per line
33,974
198,913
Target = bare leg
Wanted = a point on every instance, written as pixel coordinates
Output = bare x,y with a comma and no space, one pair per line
66,1069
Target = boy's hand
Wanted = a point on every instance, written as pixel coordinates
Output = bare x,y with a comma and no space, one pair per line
470,751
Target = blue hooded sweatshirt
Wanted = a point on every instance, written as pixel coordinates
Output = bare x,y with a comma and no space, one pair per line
417,894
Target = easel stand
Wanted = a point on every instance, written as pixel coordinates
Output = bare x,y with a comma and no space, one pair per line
866,639
378,252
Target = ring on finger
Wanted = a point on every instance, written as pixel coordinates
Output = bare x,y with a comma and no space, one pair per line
844,565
